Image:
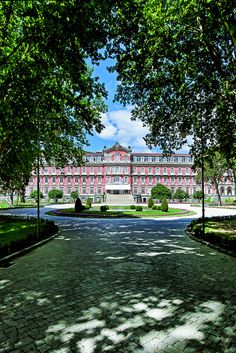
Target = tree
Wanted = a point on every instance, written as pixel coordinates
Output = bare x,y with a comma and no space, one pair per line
180,194
49,99
197,195
34,193
160,192
215,166
176,65
55,194
74,195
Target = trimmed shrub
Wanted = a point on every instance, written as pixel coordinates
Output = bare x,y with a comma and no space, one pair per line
104,208
86,207
78,205
150,202
139,208
132,207
164,205
159,207
88,202
154,207
74,195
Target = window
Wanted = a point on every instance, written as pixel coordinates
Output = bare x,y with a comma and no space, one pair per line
53,179
150,170
150,180
68,169
84,180
157,179
165,170
83,170
157,170
91,191
99,180
83,190
179,170
68,191
69,179
126,180
99,190
46,179
142,190
54,170
46,190
166,179
180,180
142,180
172,170
76,179
108,179
91,180
135,180
61,179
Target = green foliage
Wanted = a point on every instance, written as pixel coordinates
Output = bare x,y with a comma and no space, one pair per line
104,208
150,202
229,200
197,195
139,208
164,205
34,193
180,194
154,207
159,207
74,195
160,192
88,202
55,194
49,116
176,65
132,207
86,207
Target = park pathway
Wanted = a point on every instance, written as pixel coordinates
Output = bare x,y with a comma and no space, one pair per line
119,286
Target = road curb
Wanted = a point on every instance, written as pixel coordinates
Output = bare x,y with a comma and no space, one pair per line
24,251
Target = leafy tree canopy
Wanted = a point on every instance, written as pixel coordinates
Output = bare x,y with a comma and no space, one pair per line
48,97
55,194
160,192
180,194
176,65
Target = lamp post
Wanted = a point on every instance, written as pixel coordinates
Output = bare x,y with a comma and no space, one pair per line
202,172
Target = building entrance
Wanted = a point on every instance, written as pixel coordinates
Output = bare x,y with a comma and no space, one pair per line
118,192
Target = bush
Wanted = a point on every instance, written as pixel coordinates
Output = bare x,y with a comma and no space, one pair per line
198,195
159,207
78,205
161,192
88,202
154,207
104,208
139,208
86,207
132,207
150,202
164,205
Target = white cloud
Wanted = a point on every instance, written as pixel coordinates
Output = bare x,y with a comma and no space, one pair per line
119,127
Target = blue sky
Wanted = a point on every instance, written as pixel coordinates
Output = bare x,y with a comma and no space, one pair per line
118,125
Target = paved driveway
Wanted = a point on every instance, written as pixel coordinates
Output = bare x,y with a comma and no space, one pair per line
119,286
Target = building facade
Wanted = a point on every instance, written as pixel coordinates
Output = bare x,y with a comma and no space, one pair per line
118,170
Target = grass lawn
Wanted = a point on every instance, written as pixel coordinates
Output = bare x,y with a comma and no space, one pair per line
226,228
122,211
16,230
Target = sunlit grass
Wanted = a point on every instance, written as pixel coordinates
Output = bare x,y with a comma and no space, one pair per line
226,228
17,230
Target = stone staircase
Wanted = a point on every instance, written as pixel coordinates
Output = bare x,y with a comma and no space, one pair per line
126,199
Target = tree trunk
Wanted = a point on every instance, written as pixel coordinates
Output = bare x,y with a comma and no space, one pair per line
12,197
218,193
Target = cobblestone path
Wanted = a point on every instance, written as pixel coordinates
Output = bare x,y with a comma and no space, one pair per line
119,286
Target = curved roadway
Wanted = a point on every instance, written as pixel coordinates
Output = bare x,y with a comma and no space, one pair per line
119,286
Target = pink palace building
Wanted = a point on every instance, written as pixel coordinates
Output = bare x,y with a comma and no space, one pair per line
119,171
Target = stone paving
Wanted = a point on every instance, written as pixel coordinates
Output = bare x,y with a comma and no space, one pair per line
119,286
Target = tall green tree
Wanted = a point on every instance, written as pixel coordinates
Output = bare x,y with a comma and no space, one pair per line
49,99
176,65
161,192
215,166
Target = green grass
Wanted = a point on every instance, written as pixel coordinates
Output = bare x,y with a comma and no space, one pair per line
122,211
16,230
225,228
4,204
